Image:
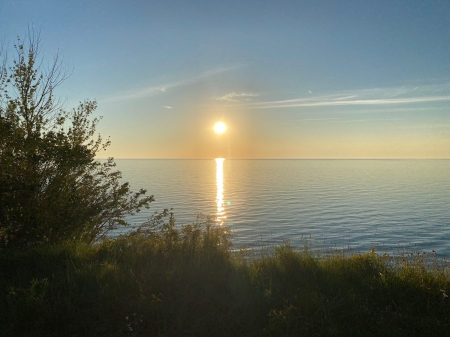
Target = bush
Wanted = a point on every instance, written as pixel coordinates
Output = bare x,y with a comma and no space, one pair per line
52,189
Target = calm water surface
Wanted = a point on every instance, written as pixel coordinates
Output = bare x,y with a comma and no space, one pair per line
387,204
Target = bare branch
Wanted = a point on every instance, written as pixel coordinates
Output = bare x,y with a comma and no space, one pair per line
32,84
3,76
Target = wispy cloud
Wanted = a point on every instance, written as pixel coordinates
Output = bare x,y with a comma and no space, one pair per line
307,122
346,97
380,109
314,119
152,90
234,97
338,120
167,107
368,97
420,126
285,104
368,120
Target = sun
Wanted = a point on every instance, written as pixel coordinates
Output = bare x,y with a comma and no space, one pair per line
220,127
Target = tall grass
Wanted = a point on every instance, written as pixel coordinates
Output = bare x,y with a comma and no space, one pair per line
184,281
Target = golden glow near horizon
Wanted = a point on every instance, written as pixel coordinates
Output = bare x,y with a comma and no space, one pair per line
219,197
219,128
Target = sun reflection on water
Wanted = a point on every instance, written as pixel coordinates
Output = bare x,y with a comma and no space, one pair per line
219,197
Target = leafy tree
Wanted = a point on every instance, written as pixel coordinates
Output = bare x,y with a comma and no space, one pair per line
52,189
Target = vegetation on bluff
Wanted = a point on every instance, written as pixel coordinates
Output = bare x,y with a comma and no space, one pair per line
185,281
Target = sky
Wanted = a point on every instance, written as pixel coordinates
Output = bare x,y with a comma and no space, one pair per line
291,79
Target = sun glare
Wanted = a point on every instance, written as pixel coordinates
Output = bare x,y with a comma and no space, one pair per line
220,127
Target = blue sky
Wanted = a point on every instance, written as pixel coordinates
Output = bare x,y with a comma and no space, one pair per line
292,79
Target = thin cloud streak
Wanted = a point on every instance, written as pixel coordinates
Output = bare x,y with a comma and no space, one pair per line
230,97
281,104
337,120
314,119
419,126
390,110
368,120
368,97
159,89
347,97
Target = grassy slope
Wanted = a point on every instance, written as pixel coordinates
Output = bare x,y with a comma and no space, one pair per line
186,283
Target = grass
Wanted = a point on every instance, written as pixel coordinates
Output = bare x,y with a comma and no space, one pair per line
186,282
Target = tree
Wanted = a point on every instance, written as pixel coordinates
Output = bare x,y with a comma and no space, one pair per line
52,189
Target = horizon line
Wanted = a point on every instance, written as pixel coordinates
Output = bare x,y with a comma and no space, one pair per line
287,158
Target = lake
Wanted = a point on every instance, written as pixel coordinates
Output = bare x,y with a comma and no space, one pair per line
345,204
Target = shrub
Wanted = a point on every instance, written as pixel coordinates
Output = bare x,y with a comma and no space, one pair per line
51,187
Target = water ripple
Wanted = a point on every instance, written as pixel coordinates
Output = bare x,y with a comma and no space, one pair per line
348,203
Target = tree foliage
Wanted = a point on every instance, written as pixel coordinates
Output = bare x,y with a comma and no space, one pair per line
52,189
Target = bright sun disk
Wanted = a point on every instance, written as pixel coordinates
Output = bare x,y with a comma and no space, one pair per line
220,127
